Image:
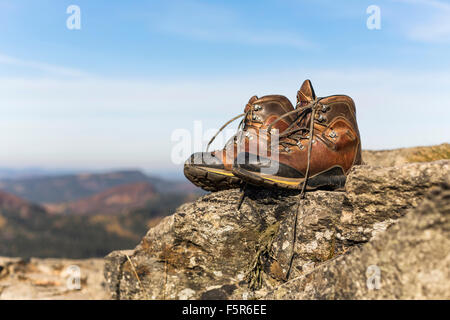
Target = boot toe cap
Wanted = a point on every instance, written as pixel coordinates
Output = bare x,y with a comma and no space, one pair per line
204,159
257,164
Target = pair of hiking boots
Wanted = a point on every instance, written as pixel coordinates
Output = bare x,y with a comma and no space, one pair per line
308,147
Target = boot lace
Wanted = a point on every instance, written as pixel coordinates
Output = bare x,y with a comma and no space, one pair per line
297,131
248,117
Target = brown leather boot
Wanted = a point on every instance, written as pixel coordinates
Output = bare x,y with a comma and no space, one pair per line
316,151
211,171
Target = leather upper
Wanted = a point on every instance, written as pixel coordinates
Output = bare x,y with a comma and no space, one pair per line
264,111
336,139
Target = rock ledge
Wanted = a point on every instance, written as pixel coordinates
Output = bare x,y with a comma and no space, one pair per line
208,249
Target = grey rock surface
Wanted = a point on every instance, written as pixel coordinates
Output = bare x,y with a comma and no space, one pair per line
210,249
411,260
398,157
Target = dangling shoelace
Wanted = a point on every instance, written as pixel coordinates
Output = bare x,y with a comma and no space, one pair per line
249,112
296,133
241,125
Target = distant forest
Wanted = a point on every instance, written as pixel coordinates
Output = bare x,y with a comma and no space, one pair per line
40,234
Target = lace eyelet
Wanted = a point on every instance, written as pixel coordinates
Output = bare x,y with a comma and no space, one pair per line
257,107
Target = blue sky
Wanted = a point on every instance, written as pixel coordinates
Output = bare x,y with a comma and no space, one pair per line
111,94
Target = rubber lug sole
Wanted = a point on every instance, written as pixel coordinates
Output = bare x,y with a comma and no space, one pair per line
320,181
212,179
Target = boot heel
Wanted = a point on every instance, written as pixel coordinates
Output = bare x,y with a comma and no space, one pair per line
332,179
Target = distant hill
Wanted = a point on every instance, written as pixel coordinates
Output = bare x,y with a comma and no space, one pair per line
21,207
11,173
28,230
68,188
116,200
84,215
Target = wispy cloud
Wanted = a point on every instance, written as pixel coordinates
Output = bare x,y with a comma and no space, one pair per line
121,122
430,3
46,68
434,25
216,23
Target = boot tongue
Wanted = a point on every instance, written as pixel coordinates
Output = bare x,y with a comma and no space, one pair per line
306,94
